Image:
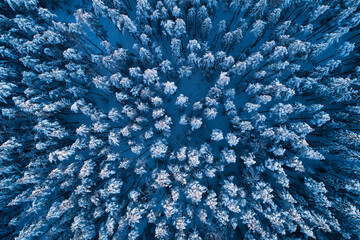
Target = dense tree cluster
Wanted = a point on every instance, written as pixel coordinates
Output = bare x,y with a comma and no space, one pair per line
179,119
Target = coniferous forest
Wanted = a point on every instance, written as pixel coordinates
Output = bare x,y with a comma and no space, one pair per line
179,119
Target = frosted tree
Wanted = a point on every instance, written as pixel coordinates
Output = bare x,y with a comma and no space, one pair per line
195,191
169,88
258,28
158,149
195,123
207,62
228,155
150,76
179,28
206,27
346,49
182,101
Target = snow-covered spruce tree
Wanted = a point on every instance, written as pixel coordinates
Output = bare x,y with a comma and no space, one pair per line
179,119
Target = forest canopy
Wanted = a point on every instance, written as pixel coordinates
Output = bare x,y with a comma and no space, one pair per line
179,119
